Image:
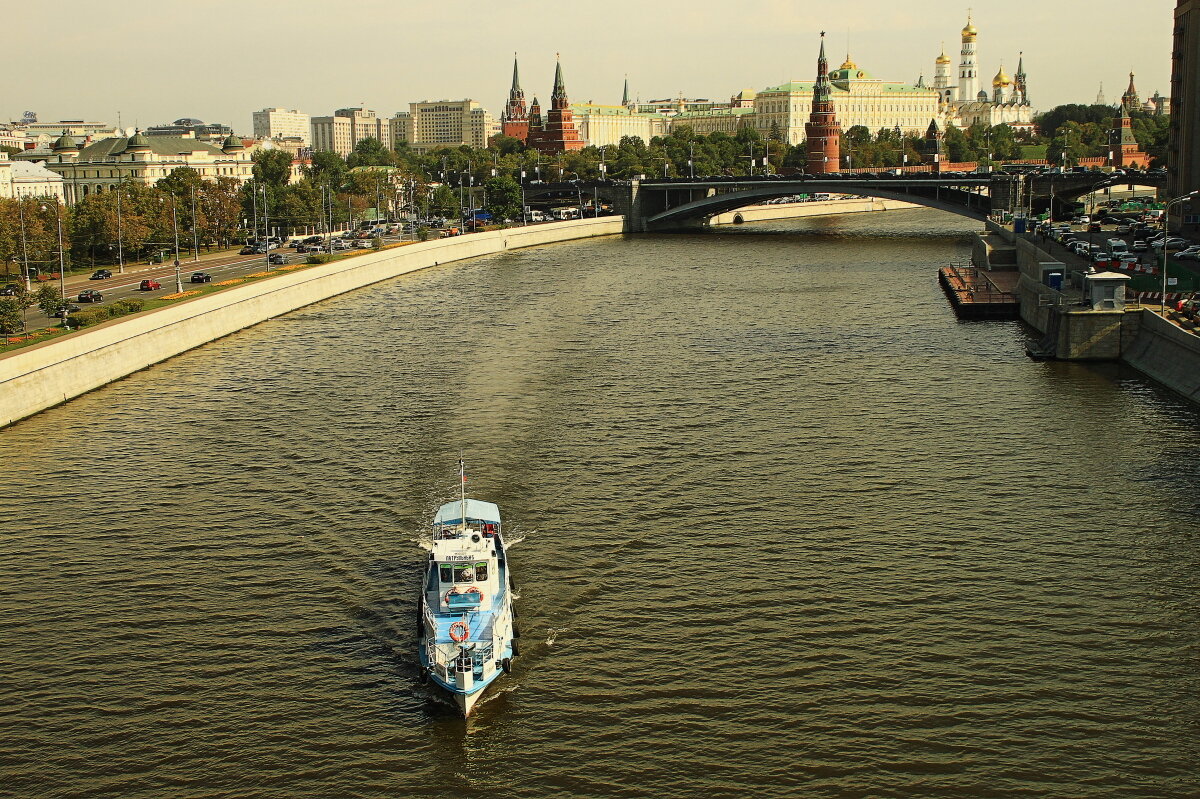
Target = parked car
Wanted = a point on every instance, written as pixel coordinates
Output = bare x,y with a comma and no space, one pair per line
1139,245
10,290
365,244
1172,243
277,258
201,277
341,244
248,250
1190,254
149,285
100,274
59,314
89,295
1124,230
1093,227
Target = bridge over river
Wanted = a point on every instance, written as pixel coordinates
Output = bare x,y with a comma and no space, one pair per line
675,203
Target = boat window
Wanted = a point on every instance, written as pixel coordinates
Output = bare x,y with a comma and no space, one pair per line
464,572
447,573
481,571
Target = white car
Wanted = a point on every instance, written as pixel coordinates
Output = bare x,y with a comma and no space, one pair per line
1190,254
1139,245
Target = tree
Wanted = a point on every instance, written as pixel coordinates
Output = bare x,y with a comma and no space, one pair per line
272,167
327,168
370,152
49,300
12,317
444,201
181,182
503,198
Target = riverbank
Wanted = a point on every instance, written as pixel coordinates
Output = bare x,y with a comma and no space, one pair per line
44,375
767,213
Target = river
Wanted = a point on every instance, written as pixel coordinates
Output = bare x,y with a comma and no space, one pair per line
789,529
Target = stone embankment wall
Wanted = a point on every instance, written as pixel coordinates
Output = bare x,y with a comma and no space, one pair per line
765,213
1168,354
44,375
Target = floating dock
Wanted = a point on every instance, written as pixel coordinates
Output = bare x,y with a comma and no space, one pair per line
980,294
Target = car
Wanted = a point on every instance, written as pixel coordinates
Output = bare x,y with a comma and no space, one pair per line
62,312
1139,245
1172,243
365,244
89,295
1101,255
201,277
341,244
314,240
101,274
277,258
10,290
248,250
149,285
1093,227
1124,230
1082,220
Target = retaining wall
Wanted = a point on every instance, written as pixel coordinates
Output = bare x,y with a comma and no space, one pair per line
764,213
38,377
1165,353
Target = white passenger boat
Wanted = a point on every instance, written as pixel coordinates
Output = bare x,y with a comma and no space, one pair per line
466,630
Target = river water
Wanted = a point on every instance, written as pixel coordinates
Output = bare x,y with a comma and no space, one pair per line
790,530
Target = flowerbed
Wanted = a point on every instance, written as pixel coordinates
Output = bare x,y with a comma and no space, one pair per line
179,295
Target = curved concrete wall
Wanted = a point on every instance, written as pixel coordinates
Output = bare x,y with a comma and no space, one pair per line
45,375
1167,354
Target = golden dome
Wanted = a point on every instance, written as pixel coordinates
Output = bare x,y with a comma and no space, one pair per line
943,58
970,31
849,64
1001,79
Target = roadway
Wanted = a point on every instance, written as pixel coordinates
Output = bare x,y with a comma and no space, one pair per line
222,266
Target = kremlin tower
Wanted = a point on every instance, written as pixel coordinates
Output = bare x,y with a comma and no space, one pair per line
823,147
514,121
559,132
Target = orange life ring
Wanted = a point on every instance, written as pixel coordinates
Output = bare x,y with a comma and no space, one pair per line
475,590
459,632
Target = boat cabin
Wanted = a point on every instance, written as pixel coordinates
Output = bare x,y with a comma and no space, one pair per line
465,567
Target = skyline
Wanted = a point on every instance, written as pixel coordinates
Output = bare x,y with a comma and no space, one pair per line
665,50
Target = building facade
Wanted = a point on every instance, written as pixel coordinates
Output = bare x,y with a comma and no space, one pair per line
101,166
280,123
1182,158
28,179
443,123
603,125
967,103
346,128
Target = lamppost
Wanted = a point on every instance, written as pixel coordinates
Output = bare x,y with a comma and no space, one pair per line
266,230
195,232
120,232
24,247
692,160
62,263
1166,235
175,227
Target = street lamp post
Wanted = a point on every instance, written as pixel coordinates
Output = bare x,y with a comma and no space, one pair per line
195,232
62,263
175,226
1166,235
24,246
120,234
266,231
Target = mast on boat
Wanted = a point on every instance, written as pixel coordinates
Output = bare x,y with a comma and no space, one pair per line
462,482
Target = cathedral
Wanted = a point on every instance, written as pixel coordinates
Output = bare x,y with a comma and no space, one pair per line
965,102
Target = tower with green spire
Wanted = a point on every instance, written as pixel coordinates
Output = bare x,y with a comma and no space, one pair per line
514,121
559,133
823,146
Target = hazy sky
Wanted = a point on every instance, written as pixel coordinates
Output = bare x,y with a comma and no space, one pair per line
220,60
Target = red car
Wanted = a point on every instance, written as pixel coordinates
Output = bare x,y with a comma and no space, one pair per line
149,285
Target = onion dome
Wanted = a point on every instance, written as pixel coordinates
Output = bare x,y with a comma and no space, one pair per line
1001,79
65,142
970,32
137,142
943,58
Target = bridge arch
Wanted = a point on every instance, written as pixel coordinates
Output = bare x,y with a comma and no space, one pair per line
950,199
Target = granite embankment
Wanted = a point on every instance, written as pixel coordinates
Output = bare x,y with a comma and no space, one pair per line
766,213
41,376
